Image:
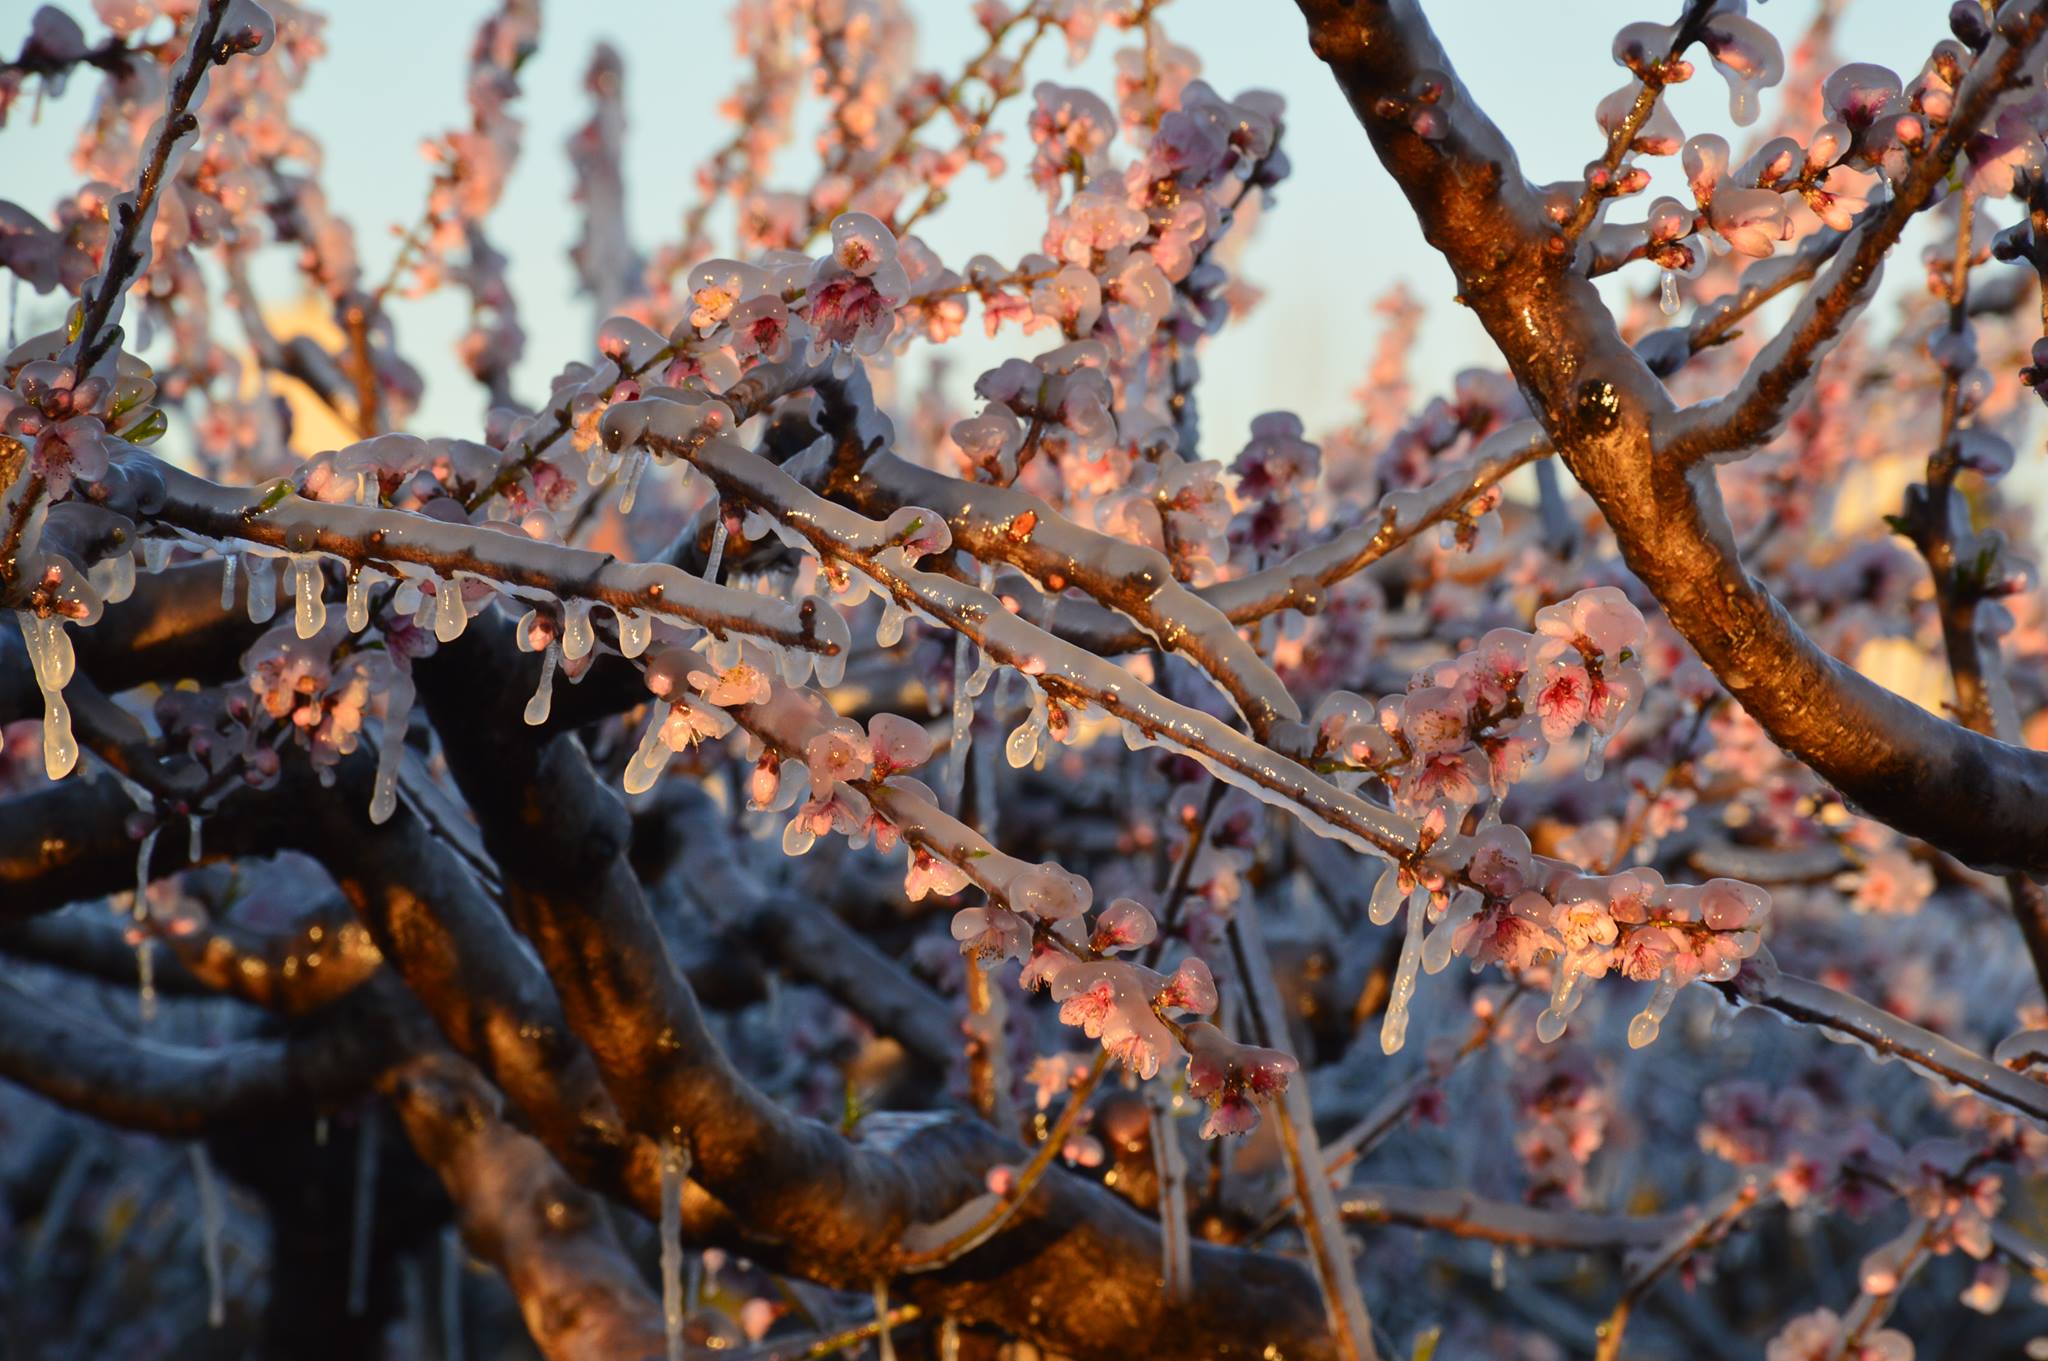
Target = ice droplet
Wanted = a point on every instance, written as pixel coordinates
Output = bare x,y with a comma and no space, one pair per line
1667,294
636,468
1642,1030
145,966
309,586
1394,1030
398,698
578,637
889,629
675,1166
636,630
717,553
543,699
451,615
262,573
650,758
356,608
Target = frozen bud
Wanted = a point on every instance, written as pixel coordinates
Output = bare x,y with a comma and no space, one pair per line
897,744
1192,988
1857,93
668,665
1050,892
1730,905
861,244
1125,924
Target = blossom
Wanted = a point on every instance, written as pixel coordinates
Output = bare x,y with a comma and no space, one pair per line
990,934
928,874
838,753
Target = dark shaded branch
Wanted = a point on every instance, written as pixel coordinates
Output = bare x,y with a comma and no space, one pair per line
581,1297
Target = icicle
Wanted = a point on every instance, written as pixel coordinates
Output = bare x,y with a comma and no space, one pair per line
361,1223
1596,755
1643,1029
717,553
309,595
543,693
1170,1164
636,468
1442,942
262,589
889,628
1386,896
885,1345
578,637
636,631
650,758
451,615
194,838
675,1166
963,723
53,662
398,697
227,581
145,965
209,1237
156,553
1031,736
1500,1267
451,1295
1667,294
406,600
1394,1032
113,577
357,608
1564,999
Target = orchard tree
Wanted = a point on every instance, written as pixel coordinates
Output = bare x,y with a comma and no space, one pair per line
759,850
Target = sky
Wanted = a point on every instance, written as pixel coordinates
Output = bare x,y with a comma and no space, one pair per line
1338,236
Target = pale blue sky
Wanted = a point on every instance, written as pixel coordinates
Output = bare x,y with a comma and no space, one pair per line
1338,238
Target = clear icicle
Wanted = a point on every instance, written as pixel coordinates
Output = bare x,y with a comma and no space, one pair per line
195,838
1170,1164
145,964
262,589
309,598
362,1225
636,631
650,758
227,581
209,1236
963,724
357,607
675,1166
1386,896
1667,294
1564,999
1642,1030
1442,942
398,698
636,468
156,553
885,1345
1394,1031
543,700
578,637
113,577
717,553
451,615
53,662
889,628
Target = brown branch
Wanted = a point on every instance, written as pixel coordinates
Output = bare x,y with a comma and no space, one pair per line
1981,800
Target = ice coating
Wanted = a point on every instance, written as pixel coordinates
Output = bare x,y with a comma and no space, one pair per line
52,661
396,702
543,700
1394,1029
309,584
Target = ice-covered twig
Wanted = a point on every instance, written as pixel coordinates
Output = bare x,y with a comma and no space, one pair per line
1759,402
371,535
1464,1214
1695,1234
